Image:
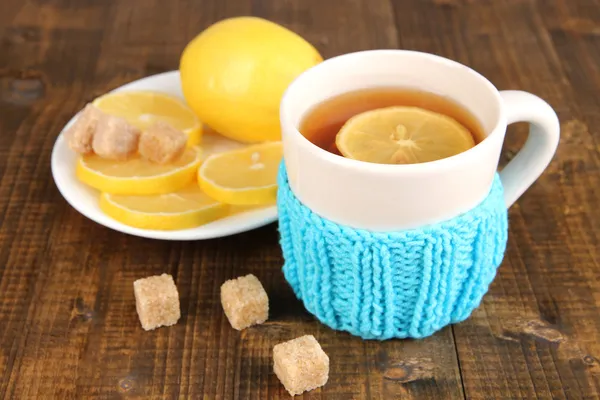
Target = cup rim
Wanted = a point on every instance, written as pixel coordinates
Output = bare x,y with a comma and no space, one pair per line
284,113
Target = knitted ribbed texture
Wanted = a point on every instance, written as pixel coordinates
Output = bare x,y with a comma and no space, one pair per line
391,285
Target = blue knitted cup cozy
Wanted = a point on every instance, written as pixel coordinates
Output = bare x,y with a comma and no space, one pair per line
401,284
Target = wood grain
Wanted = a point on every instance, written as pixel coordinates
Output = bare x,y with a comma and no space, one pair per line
68,326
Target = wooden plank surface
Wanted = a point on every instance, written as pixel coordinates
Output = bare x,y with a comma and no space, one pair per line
68,327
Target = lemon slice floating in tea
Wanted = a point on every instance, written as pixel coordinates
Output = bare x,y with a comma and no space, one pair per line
143,109
402,135
244,177
186,208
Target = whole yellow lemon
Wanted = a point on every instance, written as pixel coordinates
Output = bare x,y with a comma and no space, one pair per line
234,73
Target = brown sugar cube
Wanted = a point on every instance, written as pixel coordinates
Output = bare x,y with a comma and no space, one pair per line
301,364
115,138
156,301
161,143
81,133
244,301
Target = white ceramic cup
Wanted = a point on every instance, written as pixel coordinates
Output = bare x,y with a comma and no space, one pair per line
382,197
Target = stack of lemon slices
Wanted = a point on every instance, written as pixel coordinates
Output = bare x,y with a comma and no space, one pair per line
187,193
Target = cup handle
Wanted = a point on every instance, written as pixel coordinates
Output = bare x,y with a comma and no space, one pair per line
534,157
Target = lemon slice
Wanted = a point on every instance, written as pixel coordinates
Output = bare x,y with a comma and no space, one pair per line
138,176
186,208
402,135
142,109
246,176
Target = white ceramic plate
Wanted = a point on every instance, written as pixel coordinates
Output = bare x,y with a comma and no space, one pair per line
85,199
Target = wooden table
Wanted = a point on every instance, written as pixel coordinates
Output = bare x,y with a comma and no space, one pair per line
68,326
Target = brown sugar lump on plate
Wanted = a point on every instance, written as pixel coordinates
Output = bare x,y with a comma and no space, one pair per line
301,364
81,134
157,301
115,138
244,301
161,143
